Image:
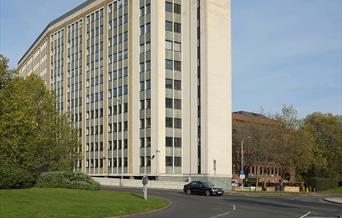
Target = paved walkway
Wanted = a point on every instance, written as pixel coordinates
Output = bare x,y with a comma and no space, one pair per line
336,200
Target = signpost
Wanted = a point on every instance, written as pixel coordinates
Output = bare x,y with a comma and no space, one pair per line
145,182
242,177
214,164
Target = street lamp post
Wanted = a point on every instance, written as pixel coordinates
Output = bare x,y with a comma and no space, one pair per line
242,174
122,139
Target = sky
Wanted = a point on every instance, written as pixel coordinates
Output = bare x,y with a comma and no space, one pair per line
285,52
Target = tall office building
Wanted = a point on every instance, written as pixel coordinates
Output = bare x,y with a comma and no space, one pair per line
148,84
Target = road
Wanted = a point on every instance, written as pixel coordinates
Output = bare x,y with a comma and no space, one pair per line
241,206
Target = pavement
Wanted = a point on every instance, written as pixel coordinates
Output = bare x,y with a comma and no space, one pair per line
335,200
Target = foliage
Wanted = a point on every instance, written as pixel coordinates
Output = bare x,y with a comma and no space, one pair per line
67,179
33,134
46,202
12,176
304,147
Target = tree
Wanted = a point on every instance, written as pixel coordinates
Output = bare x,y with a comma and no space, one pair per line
33,134
326,132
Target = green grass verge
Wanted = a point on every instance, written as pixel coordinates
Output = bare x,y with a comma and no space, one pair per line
45,202
334,190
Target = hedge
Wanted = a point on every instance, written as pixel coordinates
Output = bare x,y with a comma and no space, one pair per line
321,184
13,177
67,179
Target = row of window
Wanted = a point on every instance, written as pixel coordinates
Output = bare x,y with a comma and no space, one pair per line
145,10
117,39
118,22
173,8
145,85
94,130
117,144
145,104
116,5
117,127
173,84
173,122
75,102
173,27
75,87
96,97
116,162
118,74
117,109
118,56
148,142
173,103
145,124
176,142
173,65
175,46
97,146
173,161
112,93
145,28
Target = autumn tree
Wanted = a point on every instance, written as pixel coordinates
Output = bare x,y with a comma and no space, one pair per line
33,134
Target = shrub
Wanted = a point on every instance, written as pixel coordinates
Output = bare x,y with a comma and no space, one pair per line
67,179
321,184
13,176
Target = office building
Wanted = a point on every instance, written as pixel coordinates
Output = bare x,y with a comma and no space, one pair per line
147,83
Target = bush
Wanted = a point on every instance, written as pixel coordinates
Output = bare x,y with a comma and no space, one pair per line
13,176
321,184
67,179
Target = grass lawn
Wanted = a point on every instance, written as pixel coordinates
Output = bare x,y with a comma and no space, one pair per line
44,202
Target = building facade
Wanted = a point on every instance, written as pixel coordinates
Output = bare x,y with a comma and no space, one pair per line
147,83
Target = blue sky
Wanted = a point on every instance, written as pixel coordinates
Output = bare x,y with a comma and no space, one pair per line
284,51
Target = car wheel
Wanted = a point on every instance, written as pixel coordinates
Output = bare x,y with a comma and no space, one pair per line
207,193
188,192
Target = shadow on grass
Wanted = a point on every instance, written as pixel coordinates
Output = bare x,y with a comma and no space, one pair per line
137,195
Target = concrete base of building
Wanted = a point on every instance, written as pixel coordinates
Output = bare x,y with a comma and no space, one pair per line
168,182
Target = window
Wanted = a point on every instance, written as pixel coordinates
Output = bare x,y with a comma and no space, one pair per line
178,104
168,122
177,9
148,103
178,65
148,9
178,142
168,83
148,84
168,26
142,85
148,122
178,123
168,45
168,64
177,46
178,161
168,7
168,141
142,123
168,161
178,85
148,28
168,103
142,142
142,104
177,28
148,142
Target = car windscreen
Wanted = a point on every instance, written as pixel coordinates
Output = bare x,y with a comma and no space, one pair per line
208,184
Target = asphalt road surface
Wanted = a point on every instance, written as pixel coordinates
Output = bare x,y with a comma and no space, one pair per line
241,205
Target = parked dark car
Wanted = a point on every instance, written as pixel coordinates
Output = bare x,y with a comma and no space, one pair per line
204,188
